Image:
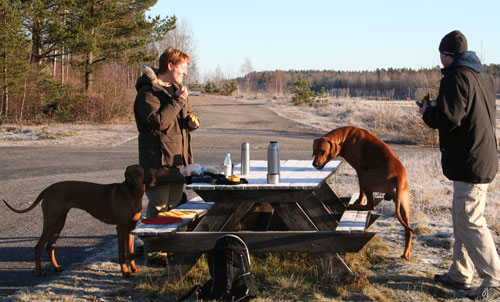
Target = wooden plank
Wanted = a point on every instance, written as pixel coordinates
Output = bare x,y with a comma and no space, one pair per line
287,241
257,196
194,205
216,217
293,216
237,216
326,195
318,213
347,221
353,221
359,224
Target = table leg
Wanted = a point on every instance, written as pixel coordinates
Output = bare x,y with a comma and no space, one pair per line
333,265
178,265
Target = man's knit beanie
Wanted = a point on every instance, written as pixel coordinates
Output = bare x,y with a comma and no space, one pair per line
453,43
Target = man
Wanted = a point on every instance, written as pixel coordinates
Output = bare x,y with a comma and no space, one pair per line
164,118
464,114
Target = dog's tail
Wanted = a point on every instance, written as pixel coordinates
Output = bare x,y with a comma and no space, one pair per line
400,194
31,207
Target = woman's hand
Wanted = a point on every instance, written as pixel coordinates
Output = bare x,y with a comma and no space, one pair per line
193,122
182,92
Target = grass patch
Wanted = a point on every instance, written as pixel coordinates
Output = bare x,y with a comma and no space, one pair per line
285,277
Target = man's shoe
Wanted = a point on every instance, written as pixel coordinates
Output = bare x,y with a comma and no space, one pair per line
446,280
485,293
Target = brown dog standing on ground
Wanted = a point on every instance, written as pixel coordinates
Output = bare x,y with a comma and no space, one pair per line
119,204
377,167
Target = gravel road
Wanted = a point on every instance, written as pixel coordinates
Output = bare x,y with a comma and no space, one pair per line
26,170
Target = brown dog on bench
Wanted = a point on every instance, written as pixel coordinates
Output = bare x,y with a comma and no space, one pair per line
377,167
119,204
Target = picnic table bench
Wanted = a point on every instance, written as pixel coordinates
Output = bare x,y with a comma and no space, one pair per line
196,205
299,214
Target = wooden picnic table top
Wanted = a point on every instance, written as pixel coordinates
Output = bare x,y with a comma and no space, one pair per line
294,175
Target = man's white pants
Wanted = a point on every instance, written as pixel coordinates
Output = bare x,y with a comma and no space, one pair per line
474,247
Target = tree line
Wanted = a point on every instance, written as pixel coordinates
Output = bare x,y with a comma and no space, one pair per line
381,84
79,59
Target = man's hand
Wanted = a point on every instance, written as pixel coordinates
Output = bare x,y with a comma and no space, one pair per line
182,92
422,109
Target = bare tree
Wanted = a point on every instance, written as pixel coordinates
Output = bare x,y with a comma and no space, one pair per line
182,38
246,69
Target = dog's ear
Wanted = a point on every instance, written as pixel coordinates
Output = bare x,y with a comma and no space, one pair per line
127,173
315,146
334,149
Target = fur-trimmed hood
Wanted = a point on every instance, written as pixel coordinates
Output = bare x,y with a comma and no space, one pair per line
149,77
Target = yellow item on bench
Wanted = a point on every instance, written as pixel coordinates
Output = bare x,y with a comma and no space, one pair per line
178,214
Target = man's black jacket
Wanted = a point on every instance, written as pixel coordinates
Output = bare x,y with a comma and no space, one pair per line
466,130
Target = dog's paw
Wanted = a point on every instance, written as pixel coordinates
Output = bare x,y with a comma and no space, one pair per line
127,274
58,269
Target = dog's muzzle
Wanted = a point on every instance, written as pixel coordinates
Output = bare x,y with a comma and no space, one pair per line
317,166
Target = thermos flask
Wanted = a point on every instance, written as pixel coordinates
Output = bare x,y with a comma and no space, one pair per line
273,163
245,159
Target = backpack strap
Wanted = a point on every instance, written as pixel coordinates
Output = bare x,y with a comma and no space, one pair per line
492,122
195,289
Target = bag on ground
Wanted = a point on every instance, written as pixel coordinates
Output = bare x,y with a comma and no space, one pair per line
229,266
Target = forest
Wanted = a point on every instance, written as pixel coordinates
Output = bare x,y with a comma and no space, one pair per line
381,84
78,60
73,58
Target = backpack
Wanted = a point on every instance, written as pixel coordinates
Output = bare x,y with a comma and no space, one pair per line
229,266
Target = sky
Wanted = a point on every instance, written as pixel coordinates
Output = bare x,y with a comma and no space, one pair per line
331,35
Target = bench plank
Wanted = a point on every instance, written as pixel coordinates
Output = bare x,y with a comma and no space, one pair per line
196,205
346,221
359,223
267,241
353,221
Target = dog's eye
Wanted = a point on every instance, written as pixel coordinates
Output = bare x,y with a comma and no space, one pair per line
322,152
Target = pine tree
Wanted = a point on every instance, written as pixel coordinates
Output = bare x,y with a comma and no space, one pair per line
45,20
12,55
303,95
113,29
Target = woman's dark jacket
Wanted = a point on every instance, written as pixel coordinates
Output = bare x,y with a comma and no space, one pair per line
162,121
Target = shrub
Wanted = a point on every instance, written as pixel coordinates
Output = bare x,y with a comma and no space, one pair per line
303,95
227,88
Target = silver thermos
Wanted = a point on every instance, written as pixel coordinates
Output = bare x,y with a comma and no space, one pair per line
245,159
273,163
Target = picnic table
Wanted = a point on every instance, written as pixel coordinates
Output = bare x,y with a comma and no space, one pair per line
299,214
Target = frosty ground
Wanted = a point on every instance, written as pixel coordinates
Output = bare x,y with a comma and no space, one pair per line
99,279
